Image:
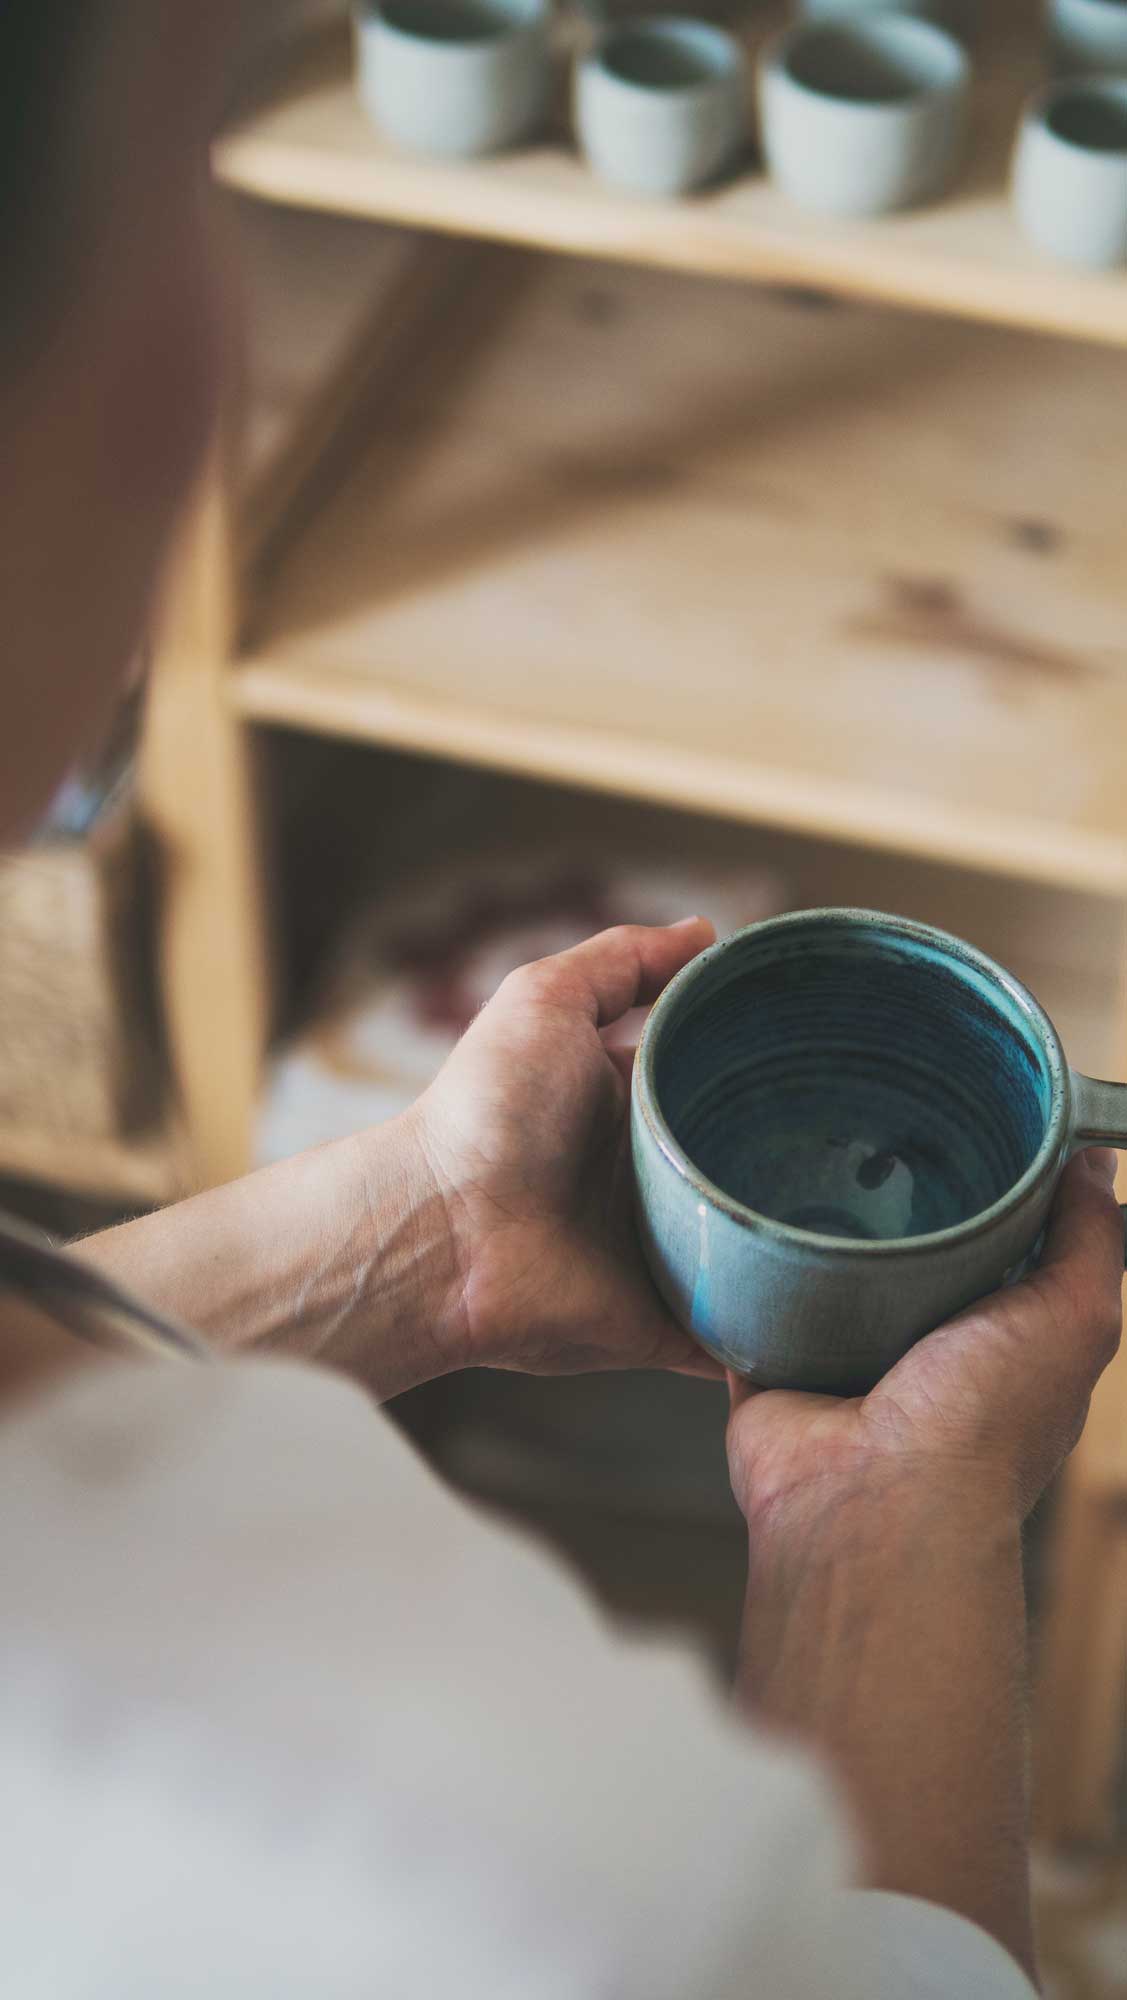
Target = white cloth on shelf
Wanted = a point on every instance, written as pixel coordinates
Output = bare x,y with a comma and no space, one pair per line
416,966
280,1716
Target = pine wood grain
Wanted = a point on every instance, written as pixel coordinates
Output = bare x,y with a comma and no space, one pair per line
844,572
308,143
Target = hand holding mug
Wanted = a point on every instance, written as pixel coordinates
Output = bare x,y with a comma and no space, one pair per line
847,1128
992,1402
523,1145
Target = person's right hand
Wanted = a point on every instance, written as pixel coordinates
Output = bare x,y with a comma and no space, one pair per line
995,1399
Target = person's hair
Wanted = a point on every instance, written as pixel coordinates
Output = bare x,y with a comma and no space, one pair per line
42,44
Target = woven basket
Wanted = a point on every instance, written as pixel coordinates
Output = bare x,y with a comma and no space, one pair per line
79,1049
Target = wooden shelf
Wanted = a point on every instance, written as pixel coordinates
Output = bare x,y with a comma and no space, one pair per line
307,143
832,569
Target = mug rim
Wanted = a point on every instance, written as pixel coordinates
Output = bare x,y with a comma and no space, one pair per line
872,28
668,28
514,17
1093,83
1104,9
811,1241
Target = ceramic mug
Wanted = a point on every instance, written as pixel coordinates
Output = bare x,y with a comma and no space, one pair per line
454,77
1087,37
846,1127
948,13
863,115
1070,171
661,105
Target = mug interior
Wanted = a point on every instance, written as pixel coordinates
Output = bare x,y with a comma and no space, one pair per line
878,59
853,1080
668,55
1092,116
456,21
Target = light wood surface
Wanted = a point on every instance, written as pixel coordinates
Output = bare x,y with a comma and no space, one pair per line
1082,1696
146,1170
198,796
404,292
307,288
839,570
308,143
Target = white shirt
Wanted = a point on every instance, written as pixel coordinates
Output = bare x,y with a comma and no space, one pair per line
279,1716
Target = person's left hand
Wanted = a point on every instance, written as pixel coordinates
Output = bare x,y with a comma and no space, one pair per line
525,1139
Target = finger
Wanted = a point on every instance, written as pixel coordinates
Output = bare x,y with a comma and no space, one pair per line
740,1390
607,975
1052,1334
1085,1222
703,1368
1081,1268
623,1060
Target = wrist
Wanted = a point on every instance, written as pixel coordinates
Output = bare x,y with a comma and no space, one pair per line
842,1517
390,1312
884,1627
845,1579
799,1463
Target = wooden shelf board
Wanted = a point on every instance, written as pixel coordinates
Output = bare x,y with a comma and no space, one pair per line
149,1169
846,573
349,706
298,335
307,143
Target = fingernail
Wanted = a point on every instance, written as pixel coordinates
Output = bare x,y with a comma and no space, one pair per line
1103,1163
684,923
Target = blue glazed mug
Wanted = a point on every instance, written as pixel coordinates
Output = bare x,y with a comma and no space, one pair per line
846,1127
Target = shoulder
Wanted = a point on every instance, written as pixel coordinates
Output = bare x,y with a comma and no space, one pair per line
300,1664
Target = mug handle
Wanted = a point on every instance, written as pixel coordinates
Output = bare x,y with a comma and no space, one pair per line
1099,1118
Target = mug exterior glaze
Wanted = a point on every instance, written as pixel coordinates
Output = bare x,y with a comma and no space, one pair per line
900,1101
1070,171
661,105
863,113
1088,37
454,78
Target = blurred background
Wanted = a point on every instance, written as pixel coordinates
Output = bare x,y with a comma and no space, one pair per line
570,558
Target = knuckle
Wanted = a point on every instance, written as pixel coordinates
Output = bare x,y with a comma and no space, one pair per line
544,983
621,938
530,982
1111,1330
1063,1298
1099,1315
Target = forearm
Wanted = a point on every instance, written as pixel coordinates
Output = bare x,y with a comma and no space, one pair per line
888,1632
340,1254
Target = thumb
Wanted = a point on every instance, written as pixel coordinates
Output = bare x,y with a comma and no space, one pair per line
605,976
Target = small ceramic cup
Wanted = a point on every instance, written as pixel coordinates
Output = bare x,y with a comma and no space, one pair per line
1088,37
864,115
661,105
454,77
1070,171
846,1128
947,12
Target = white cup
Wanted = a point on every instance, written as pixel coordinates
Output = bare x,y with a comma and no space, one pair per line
1070,171
948,13
1088,37
454,77
864,115
661,105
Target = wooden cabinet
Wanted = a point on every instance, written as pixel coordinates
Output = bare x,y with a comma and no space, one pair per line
779,551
